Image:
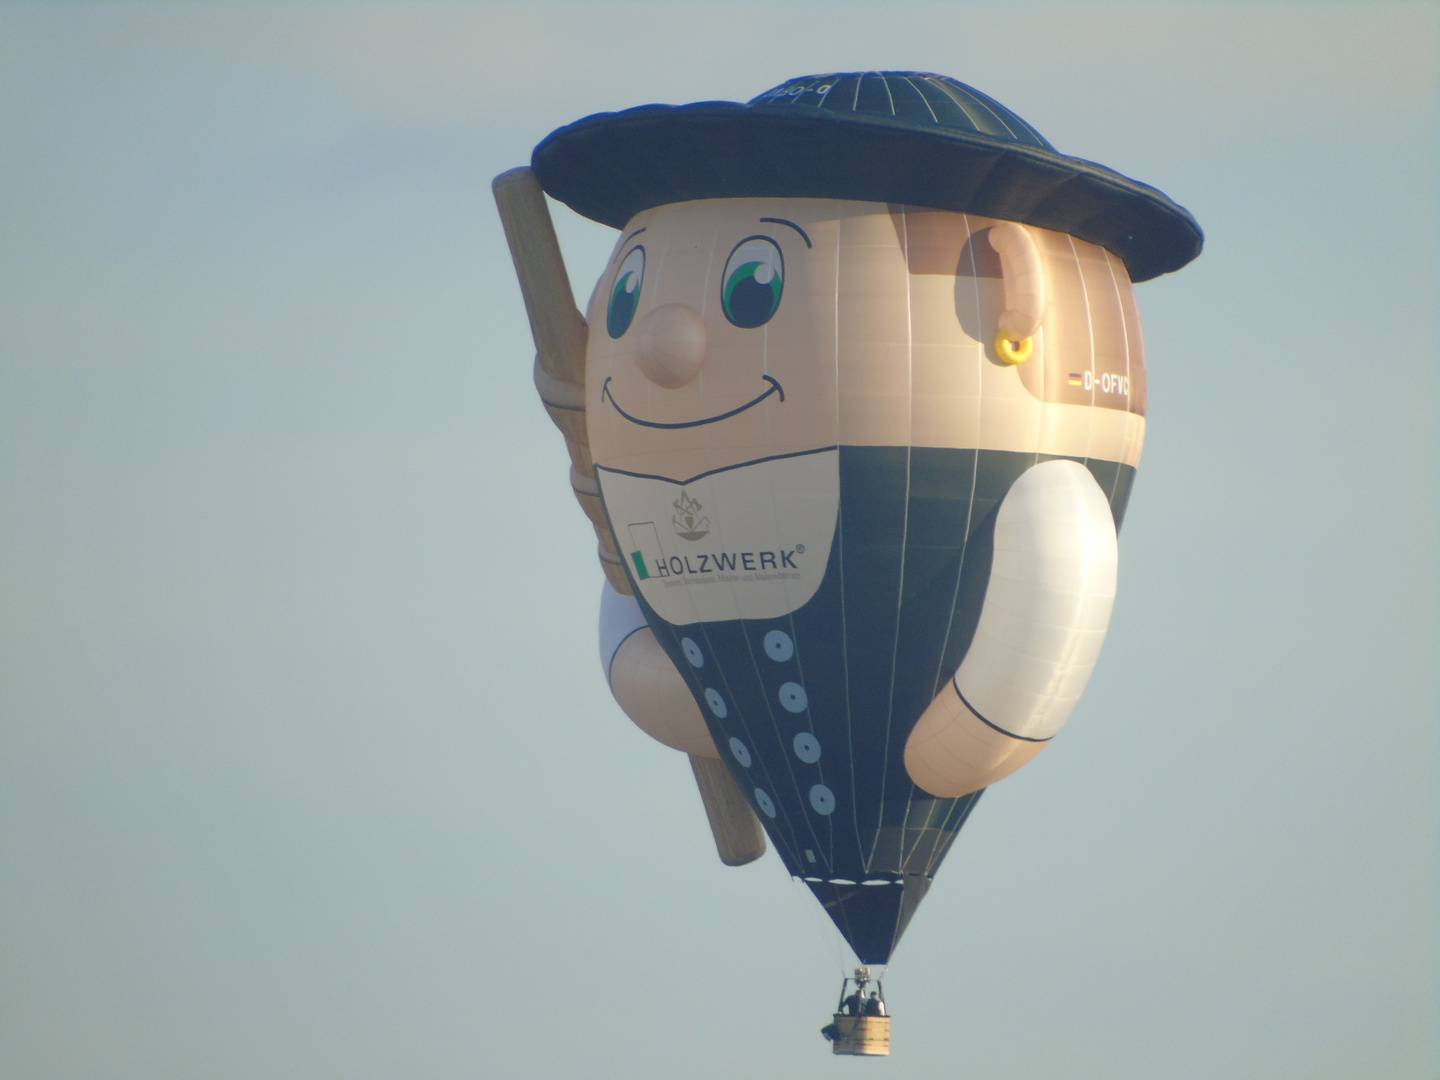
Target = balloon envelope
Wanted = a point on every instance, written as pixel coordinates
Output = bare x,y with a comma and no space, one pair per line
839,324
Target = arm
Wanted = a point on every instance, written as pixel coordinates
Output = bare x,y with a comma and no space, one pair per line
644,682
654,695
1046,610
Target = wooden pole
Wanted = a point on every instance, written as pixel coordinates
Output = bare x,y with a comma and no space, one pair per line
738,836
560,334
557,326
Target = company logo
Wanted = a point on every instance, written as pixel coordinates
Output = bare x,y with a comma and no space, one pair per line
650,561
755,565
687,522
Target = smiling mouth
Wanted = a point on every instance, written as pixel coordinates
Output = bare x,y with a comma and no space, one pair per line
775,388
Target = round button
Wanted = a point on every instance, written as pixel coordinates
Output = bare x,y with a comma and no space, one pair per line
741,752
778,646
716,703
692,652
765,803
822,799
807,748
793,697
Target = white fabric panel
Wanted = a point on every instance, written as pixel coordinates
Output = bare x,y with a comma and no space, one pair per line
620,616
1047,606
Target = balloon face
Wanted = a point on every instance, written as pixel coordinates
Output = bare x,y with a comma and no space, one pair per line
802,433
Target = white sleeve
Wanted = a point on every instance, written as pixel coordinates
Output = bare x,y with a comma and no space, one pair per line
1047,606
620,616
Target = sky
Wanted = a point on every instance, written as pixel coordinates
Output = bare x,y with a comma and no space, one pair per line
307,765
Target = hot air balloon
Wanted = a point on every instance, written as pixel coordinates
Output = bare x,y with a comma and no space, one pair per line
855,410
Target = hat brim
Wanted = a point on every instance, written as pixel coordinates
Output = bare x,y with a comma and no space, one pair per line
610,166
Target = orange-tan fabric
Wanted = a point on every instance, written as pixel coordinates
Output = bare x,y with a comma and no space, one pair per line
885,337
652,693
952,752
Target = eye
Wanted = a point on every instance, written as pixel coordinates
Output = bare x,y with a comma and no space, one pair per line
754,279
625,293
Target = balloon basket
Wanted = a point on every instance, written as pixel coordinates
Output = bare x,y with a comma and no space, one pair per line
862,1036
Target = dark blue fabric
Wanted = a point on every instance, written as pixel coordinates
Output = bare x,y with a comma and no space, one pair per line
889,624
919,97
888,136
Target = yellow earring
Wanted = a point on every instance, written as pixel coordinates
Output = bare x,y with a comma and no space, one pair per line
1013,352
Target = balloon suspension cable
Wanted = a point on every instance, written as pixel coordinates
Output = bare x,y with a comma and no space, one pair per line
829,933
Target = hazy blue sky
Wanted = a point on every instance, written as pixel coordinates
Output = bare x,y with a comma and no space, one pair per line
307,766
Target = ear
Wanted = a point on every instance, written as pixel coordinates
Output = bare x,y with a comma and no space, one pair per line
1026,298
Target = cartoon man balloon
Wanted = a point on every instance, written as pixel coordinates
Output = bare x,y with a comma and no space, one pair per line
855,410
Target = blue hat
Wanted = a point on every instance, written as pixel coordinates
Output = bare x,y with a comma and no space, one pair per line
887,136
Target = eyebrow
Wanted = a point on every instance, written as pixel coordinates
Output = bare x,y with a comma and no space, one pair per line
621,246
782,221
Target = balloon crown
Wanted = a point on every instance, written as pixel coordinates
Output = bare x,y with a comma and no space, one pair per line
891,136
907,97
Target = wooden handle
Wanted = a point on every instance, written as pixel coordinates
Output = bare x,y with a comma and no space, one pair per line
558,328
560,335
738,836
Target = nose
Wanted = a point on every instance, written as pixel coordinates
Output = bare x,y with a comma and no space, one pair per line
671,345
